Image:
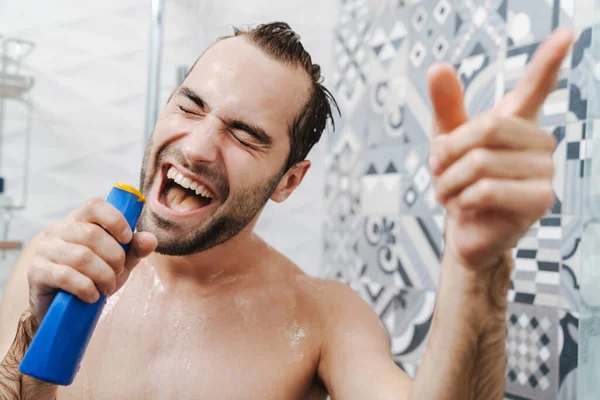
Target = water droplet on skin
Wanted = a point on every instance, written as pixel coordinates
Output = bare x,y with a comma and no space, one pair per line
295,334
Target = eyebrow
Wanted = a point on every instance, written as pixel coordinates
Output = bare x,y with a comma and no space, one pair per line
253,130
193,96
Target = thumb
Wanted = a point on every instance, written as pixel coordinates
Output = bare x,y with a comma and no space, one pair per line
142,244
446,97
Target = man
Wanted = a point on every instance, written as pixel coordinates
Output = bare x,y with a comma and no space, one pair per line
212,312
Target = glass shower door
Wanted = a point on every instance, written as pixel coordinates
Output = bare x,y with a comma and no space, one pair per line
589,321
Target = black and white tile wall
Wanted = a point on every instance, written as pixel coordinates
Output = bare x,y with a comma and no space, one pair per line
383,232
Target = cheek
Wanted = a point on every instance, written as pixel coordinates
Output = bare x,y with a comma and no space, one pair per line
238,163
169,127
243,169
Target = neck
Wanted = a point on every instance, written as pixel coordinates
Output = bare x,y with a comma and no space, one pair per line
230,261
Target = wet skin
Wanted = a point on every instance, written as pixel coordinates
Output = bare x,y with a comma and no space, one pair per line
257,336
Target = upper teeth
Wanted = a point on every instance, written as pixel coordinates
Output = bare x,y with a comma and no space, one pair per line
187,183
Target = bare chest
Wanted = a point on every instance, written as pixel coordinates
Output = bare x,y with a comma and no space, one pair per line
238,348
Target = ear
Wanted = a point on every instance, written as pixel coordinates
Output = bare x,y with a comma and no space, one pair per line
290,181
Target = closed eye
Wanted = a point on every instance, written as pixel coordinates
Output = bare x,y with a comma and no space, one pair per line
242,142
185,110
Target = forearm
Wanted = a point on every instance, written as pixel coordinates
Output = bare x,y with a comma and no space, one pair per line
465,355
13,384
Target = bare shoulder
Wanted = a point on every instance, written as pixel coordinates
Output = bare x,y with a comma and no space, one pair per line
330,294
340,308
333,305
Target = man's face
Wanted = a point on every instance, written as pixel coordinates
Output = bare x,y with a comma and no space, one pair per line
218,149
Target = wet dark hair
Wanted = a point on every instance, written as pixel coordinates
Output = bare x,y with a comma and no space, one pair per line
279,41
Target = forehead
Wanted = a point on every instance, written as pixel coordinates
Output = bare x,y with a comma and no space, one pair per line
236,77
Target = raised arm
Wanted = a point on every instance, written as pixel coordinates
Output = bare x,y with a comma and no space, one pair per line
494,176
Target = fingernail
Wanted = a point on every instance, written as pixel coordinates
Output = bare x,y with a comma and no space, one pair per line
126,235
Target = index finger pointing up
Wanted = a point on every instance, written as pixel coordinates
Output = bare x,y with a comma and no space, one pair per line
540,77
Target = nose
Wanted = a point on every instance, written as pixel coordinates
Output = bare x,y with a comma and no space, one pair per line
202,144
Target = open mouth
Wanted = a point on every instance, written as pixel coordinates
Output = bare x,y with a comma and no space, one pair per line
183,194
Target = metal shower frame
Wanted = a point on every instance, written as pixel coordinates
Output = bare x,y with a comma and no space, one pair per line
154,65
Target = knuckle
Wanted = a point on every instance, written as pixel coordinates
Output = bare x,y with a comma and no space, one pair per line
114,219
53,230
81,254
61,276
438,143
35,271
87,232
107,278
480,159
118,261
94,202
485,190
491,125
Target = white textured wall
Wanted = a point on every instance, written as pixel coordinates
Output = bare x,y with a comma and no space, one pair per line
90,67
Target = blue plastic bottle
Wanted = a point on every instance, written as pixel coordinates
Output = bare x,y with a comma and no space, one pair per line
56,351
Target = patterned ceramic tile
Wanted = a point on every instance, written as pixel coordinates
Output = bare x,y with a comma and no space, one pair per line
570,277
509,396
383,182
350,64
532,351
532,20
591,171
590,84
402,174
568,342
555,108
588,356
536,274
388,38
353,11
340,252
480,28
581,76
342,200
570,157
481,76
573,150
410,368
388,50
405,40
581,13
431,28
406,314
407,319
559,159
401,250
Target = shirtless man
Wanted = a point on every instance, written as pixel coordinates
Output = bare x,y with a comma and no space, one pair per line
212,312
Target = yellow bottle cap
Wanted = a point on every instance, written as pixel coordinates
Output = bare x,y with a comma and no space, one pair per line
131,189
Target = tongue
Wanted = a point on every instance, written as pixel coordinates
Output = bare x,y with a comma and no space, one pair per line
180,199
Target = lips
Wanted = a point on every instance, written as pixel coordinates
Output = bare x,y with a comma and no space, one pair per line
189,183
181,195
